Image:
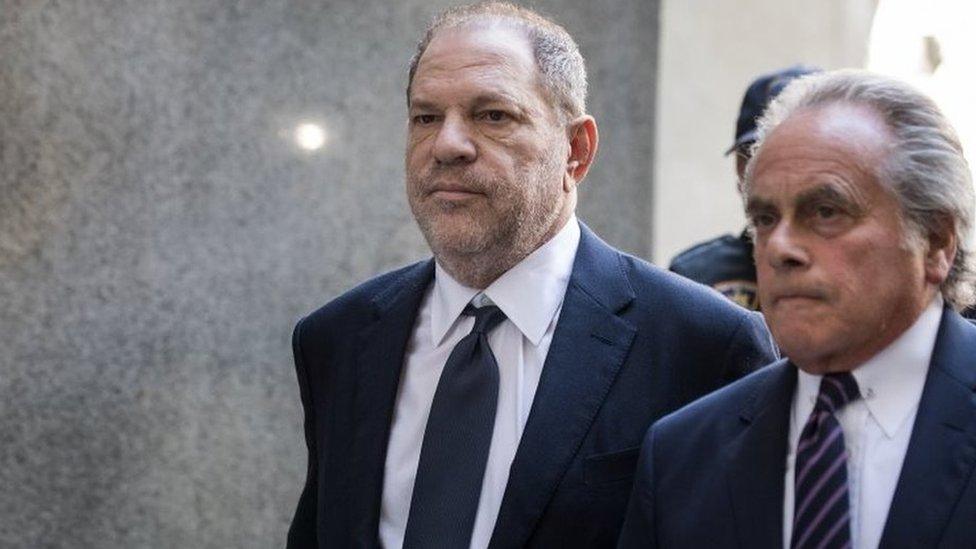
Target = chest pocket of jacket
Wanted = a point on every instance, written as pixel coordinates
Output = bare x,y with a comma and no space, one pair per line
615,466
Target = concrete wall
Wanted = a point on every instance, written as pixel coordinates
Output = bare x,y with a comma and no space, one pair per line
710,50
160,233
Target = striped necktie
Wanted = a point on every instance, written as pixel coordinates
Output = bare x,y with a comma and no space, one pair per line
822,514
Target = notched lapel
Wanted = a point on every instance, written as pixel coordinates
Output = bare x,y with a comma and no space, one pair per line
381,349
756,460
589,345
942,450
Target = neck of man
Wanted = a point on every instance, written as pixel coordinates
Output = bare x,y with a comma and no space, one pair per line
478,270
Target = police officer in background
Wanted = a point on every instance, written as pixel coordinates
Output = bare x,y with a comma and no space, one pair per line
725,263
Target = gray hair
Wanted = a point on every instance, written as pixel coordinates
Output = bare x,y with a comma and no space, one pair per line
924,169
562,70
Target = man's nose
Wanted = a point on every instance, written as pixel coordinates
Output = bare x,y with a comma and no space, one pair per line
453,144
784,247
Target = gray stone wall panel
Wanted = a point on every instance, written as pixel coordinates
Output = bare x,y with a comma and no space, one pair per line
160,234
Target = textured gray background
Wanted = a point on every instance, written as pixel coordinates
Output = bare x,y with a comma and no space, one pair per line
160,233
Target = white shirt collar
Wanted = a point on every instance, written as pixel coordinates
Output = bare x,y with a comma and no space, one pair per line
891,381
530,293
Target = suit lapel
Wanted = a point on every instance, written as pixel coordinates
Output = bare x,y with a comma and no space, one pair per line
942,450
756,459
381,347
589,345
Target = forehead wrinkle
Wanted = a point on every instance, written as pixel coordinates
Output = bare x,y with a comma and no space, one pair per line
499,67
481,98
845,177
844,171
825,157
473,60
488,87
480,87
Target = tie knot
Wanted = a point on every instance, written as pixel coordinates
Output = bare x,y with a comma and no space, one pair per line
485,318
836,390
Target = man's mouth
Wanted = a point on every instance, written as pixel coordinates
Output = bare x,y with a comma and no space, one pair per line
797,297
454,192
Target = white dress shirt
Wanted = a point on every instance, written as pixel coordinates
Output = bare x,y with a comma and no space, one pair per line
876,427
531,296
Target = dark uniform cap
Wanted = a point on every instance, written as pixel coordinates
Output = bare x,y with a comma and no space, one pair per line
724,263
758,95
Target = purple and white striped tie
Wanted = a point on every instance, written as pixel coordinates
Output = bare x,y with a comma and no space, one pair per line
822,511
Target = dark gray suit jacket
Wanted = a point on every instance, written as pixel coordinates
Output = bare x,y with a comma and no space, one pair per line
711,475
632,343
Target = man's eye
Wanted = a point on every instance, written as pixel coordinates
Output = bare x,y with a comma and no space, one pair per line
761,221
424,119
495,116
826,211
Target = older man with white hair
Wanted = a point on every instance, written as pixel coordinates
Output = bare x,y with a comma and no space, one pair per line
861,205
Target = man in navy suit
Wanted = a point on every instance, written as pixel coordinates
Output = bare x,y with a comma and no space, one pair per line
865,435
497,394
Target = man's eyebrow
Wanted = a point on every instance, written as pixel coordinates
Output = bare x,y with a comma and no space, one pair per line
756,204
827,192
422,104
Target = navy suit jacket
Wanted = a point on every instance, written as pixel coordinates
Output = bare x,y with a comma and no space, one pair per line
711,475
632,343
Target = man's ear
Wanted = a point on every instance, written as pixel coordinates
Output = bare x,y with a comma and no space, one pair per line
941,251
583,138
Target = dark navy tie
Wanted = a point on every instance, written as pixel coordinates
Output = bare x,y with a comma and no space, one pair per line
821,510
456,441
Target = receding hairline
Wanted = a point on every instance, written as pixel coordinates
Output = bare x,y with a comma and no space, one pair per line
871,153
857,126
481,23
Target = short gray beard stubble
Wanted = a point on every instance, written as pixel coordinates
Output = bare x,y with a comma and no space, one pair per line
530,222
